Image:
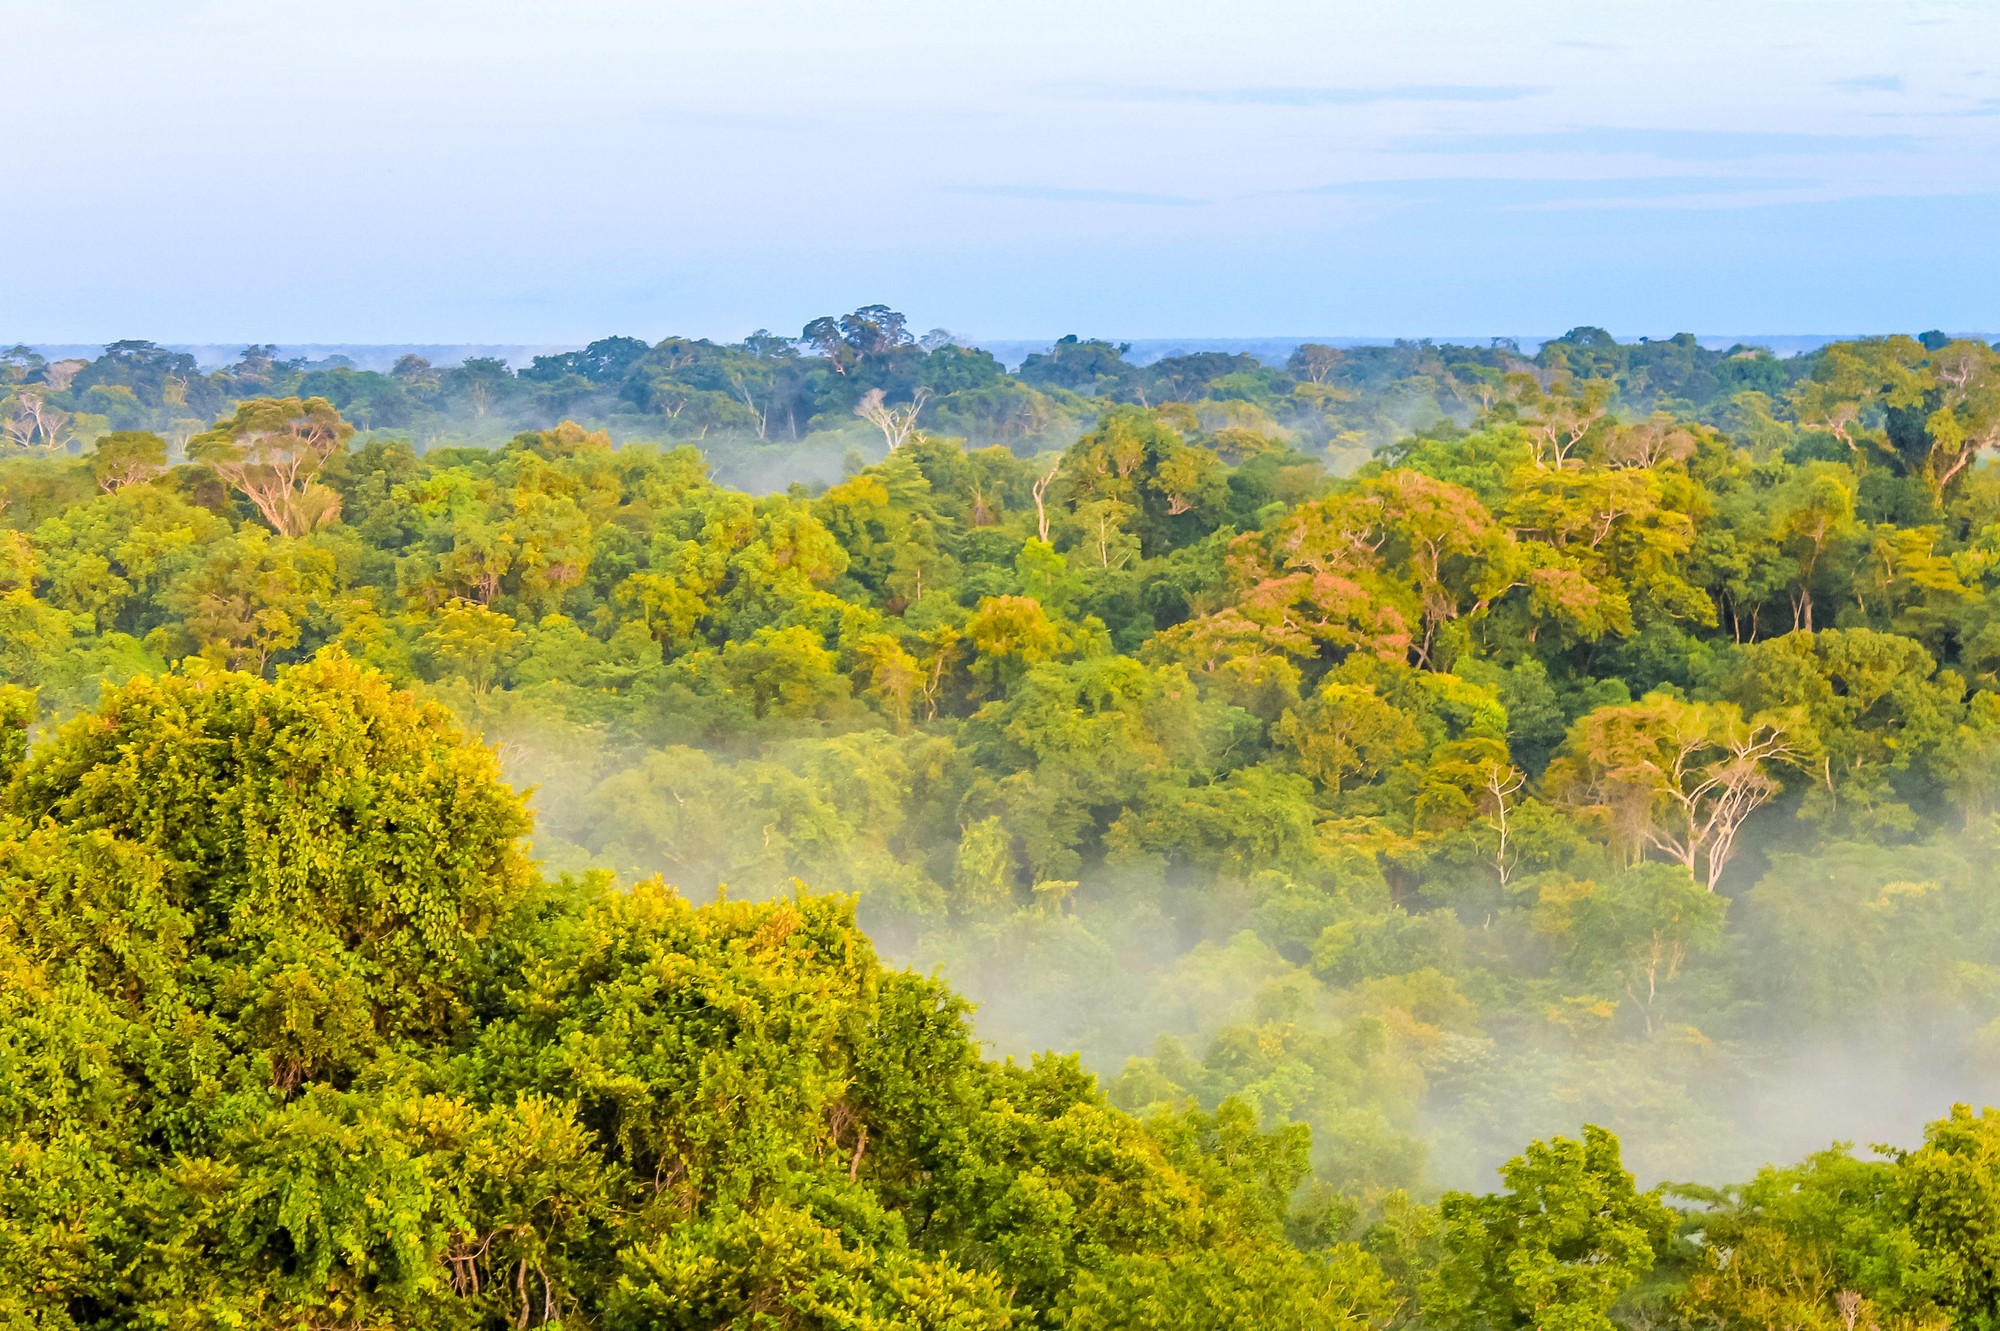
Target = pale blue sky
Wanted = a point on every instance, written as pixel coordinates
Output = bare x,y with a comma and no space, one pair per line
215,170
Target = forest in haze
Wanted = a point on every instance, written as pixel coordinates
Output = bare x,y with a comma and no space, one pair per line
1363,773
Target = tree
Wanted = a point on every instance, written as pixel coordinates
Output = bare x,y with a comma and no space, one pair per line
1555,1251
1815,511
784,672
33,634
1927,410
1439,538
1041,490
1865,710
1843,382
482,382
248,601
32,421
129,457
1964,412
1560,415
1475,781
866,339
473,642
1345,731
1315,361
1606,550
1950,1193
1011,635
1650,443
1090,366
271,452
253,845
1171,490
1637,928
897,422
1818,1244
1680,778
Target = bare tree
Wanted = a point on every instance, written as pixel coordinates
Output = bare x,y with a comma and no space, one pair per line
1664,955
1041,489
178,432
1558,417
33,421
895,423
1649,443
763,414
18,423
1105,520
1501,782
982,506
1716,797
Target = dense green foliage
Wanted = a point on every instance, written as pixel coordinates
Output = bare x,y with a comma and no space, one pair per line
292,1035
1626,727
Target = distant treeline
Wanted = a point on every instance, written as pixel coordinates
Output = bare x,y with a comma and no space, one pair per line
772,388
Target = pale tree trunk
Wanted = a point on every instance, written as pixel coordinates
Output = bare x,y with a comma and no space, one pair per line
1041,489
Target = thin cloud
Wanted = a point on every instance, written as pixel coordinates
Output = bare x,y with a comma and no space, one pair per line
1672,144
1517,190
1515,194
1869,83
1283,95
1768,199
1062,194
1468,195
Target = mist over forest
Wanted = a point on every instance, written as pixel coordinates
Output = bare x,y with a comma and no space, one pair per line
1324,777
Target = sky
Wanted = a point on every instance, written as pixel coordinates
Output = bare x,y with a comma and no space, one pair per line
505,171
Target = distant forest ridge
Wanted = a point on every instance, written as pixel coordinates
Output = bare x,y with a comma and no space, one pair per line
382,356
774,410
